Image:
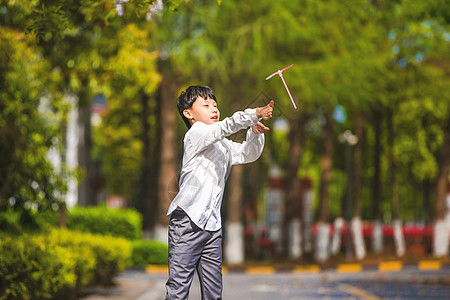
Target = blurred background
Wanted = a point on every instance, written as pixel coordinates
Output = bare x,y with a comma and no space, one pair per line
360,170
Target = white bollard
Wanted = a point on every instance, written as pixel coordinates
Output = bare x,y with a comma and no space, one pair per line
295,232
234,243
322,242
377,236
440,242
399,239
336,242
360,248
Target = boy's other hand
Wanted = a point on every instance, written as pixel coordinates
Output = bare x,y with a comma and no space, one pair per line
260,127
265,112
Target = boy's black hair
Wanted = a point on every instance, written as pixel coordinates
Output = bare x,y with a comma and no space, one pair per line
188,97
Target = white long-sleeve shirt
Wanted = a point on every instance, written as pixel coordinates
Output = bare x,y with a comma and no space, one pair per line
207,160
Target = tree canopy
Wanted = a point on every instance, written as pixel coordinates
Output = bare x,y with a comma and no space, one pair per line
363,56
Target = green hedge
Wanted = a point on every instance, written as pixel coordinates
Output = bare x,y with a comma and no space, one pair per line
32,269
10,221
148,252
17,222
120,222
58,265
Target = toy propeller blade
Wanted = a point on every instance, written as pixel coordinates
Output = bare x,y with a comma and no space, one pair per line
289,93
278,72
287,68
270,76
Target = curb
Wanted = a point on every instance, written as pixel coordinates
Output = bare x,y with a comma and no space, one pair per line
385,266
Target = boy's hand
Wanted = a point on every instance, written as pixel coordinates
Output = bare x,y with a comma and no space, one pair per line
260,128
265,112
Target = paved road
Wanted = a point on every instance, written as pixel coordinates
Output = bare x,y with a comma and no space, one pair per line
406,284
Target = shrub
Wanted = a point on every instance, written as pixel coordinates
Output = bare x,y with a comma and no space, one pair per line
110,254
58,265
10,221
148,252
30,268
111,259
16,222
119,222
85,260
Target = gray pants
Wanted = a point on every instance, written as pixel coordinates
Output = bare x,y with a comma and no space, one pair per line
192,248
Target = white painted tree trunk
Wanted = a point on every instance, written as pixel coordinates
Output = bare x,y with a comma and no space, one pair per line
295,238
274,217
440,242
71,155
161,233
399,239
234,243
377,236
307,221
322,242
336,242
447,212
447,219
358,240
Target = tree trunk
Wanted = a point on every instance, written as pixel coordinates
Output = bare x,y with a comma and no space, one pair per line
357,165
147,196
339,222
441,230
336,240
255,179
377,235
70,157
347,205
167,177
234,242
429,211
399,239
392,168
85,191
325,174
234,230
307,214
292,205
322,241
360,247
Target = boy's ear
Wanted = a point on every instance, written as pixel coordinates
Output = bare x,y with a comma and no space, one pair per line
187,114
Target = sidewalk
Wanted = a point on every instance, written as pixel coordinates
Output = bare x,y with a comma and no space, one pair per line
132,284
149,284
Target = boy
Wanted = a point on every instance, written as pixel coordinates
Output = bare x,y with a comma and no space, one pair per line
195,230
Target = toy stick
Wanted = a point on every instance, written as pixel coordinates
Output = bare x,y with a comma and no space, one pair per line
280,73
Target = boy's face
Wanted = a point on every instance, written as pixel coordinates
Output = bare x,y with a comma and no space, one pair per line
203,110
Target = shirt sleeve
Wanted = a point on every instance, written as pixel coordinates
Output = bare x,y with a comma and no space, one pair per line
249,150
202,135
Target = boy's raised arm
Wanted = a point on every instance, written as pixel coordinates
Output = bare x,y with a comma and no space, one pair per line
203,135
